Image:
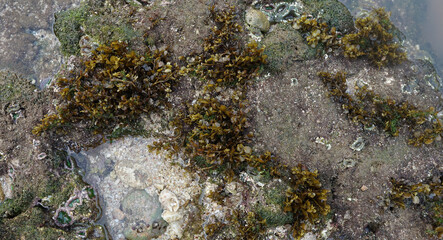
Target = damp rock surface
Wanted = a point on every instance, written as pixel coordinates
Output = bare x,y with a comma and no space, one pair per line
27,43
147,195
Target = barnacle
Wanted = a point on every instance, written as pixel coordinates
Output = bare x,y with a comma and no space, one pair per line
113,86
370,108
375,38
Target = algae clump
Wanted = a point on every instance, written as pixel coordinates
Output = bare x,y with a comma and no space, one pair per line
376,38
371,109
113,87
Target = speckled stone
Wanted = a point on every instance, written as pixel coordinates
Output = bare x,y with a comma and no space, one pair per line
139,205
257,19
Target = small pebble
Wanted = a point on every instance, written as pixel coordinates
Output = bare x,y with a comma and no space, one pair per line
118,214
257,19
416,200
363,188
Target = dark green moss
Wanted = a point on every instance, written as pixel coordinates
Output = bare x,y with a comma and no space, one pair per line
93,18
333,12
275,217
275,194
33,224
12,207
67,28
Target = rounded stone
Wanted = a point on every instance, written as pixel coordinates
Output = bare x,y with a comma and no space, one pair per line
118,214
257,19
139,205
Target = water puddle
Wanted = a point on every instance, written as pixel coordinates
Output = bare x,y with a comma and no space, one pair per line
141,194
28,44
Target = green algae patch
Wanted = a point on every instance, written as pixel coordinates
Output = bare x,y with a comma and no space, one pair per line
277,43
67,28
12,87
274,216
103,22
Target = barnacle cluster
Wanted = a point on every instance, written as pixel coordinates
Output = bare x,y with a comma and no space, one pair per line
375,38
212,132
317,32
371,109
114,86
429,192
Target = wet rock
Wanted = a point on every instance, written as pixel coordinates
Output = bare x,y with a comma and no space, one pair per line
137,173
257,19
284,46
139,205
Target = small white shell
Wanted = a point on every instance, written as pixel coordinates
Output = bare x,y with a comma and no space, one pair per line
170,217
169,201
